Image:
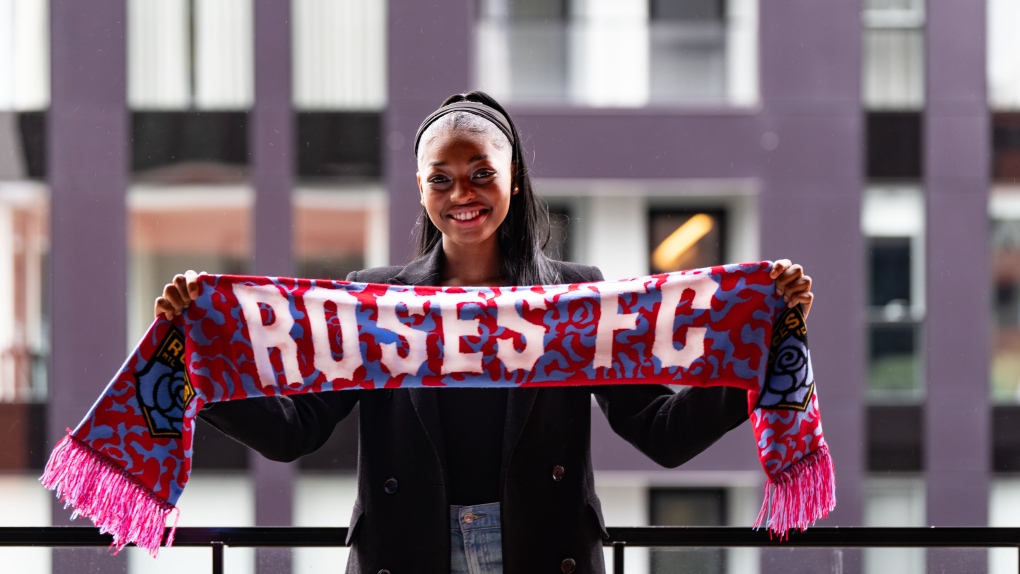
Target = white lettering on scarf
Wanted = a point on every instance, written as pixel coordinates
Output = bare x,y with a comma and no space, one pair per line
534,334
672,290
610,318
275,335
416,340
455,328
346,312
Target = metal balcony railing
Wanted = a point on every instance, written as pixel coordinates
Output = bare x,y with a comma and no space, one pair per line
620,538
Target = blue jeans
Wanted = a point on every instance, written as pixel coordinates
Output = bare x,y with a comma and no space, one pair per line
476,544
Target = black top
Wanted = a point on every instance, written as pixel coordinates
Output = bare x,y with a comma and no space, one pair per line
551,516
472,422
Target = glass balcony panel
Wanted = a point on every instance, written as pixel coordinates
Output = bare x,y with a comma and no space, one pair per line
894,361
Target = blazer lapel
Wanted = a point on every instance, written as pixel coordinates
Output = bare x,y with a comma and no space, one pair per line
423,271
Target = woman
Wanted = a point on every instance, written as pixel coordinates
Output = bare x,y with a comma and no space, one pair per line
498,478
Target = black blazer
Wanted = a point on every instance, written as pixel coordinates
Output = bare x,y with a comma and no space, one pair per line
552,519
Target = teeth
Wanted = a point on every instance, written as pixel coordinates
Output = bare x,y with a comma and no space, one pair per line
466,215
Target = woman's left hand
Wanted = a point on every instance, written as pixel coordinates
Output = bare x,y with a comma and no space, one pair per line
792,284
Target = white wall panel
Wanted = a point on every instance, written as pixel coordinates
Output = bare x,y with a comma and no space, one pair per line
1003,54
339,54
159,54
24,55
224,54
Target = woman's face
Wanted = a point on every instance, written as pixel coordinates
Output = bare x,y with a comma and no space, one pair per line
465,181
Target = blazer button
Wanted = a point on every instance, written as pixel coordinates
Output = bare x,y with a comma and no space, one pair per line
558,473
390,486
568,565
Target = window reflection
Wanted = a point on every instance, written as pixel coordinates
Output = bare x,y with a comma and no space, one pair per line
684,239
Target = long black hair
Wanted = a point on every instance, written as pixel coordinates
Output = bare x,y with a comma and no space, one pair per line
524,233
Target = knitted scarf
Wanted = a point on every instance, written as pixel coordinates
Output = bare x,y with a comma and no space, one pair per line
127,462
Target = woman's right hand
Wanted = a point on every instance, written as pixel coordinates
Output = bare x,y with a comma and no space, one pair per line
177,295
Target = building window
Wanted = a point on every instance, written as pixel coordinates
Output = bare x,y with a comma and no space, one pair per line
893,54
687,507
339,54
187,54
895,145
339,229
1004,207
24,312
893,222
686,239
599,53
173,228
1006,146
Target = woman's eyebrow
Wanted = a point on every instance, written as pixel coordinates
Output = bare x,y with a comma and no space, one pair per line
478,157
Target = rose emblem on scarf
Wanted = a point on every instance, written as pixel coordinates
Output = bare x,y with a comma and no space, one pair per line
163,388
789,380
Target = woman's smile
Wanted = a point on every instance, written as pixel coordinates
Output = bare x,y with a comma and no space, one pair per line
471,216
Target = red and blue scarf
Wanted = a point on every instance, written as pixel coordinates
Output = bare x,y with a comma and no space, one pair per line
127,462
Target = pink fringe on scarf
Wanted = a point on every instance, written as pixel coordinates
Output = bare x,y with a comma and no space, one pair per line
800,495
115,501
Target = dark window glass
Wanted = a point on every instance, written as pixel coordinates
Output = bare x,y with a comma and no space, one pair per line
889,265
1006,438
32,129
686,239
196,144
339,144
688,507
560,246
24,446
687,10
1006,146
894,438
894,145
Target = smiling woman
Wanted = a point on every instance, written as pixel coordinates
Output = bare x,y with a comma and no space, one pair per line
480,471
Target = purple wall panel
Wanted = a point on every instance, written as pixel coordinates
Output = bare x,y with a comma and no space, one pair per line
957,352
810,54
429,58
272,144
810,211
639,144
88,159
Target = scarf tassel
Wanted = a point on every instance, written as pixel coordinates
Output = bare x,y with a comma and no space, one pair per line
800,495
117,503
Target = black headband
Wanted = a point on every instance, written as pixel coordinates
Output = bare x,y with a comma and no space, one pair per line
476,108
